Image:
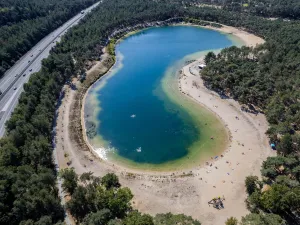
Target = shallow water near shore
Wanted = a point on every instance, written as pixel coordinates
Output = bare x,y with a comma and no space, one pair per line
141,118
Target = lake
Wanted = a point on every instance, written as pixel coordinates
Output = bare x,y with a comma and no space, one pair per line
141,118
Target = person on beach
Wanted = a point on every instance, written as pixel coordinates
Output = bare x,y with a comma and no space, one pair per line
215,203
220,202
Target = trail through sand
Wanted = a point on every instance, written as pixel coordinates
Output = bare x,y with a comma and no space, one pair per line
187,192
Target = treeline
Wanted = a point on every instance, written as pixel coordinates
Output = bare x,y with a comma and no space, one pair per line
23,23
266,8
113,15
28,192
267,78
97,200
272,9
16,11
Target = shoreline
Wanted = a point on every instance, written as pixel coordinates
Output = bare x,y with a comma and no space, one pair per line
246,39
186,191
249,40
196,156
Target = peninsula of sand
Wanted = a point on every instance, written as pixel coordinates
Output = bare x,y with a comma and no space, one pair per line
189,191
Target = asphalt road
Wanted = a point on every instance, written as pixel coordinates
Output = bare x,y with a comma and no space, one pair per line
11,85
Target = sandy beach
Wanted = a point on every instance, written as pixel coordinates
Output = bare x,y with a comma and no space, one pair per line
249,39
190,191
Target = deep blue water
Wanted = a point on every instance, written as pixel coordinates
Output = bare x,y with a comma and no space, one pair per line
162,129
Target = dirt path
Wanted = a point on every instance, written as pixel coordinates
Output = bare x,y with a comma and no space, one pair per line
185,192
180,193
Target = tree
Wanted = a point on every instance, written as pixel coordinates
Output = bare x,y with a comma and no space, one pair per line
136,218
98,218
296,172
254,201
250,183
119,201
232,221
273,199
262,219
285,180
88,178
45,220
9,155
266,76
26,22
93,203
285,145
170,219
210,56
78,206
110,180
280,165
70,180
115,222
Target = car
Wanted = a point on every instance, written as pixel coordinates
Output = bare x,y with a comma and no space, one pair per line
28,61
31,56
24,74
15,88
30,70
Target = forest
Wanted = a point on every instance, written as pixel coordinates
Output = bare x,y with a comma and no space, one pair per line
267,79
272,9
96,200
28,189
23,23
289,9
28,192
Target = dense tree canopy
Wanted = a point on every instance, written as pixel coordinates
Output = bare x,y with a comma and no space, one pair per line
28,178
169,219
93,203
23,23
267,77
266,8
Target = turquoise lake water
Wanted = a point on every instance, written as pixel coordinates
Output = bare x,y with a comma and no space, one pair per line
136,117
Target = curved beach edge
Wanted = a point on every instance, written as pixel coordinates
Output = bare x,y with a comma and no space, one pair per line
243,37
182,191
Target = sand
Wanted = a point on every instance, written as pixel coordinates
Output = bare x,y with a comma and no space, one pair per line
249,39
187,192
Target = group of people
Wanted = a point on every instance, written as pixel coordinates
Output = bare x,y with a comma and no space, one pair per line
217,203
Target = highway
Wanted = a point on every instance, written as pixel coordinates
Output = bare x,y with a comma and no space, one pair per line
11,85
